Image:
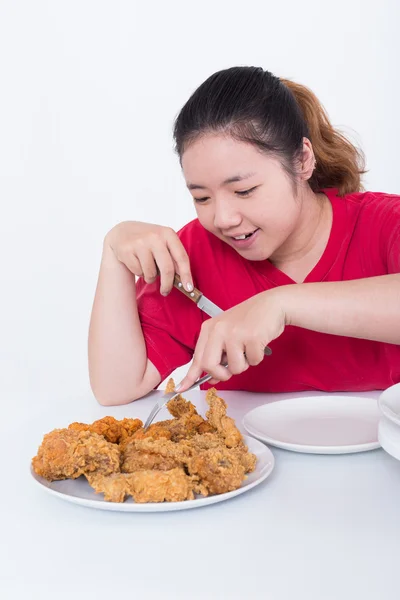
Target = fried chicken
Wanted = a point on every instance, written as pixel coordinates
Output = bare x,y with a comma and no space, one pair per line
115,487
218,418
155,431
138,460
218,469
178,452
145,486
187,421
171,461
65,453
160,486
114,431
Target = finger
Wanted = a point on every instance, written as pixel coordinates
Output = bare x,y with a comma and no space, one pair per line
181,260
166,268
213,381
254,353
213,355
236,358
195,371
133,264
190,378
147,263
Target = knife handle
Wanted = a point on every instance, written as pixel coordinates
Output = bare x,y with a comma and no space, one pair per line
194,295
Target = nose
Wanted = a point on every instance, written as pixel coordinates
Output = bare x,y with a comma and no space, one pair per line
225,215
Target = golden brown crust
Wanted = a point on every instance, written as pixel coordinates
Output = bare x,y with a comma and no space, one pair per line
218,418
138,460
66,453
145,486
114,431
219,469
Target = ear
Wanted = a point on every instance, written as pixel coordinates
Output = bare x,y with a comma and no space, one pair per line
307,160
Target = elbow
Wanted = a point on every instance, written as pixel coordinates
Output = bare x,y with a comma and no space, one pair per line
113,397
116,391
110,399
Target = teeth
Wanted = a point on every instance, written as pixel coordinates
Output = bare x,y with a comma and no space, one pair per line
240,237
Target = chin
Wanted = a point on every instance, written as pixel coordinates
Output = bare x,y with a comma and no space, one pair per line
256,255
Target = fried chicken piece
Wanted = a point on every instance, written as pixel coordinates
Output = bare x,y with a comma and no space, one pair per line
155,431
205,427
170,387
178,452
65,453
114,431
137,460
218,418
115,487
210,441
219,470
206,441
248,459
185,427
160,486
187,421
179,407
183,451
145,486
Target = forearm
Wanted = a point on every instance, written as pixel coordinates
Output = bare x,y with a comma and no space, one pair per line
364,308
118,366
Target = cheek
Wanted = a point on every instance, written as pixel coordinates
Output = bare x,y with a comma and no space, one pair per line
280,217
205,215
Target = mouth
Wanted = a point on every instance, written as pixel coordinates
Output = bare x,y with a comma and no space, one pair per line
244,240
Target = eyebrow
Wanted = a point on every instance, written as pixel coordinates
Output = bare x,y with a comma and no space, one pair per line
235,178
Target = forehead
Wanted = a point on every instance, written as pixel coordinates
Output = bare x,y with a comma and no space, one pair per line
212,159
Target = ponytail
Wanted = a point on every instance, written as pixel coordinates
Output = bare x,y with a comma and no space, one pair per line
275,115
339,163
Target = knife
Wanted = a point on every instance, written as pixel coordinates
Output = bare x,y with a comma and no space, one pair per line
204,303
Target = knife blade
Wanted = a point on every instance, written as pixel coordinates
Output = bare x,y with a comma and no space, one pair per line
211,309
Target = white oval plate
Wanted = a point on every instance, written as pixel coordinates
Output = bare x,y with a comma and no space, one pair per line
389,403
327,424
78,491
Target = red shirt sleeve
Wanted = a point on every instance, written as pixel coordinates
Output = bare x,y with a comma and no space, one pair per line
390,233
170,325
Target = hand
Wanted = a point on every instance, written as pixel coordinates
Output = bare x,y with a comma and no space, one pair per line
238,337
149,250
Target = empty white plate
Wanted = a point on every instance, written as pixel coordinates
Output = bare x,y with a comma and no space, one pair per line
328,424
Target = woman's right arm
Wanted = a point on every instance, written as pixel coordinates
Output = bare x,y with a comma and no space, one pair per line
119,369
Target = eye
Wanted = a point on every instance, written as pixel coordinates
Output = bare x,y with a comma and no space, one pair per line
201,200
245,193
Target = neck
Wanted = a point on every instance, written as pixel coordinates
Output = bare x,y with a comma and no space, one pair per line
307,242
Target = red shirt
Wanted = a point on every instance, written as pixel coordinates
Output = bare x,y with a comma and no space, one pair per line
364,242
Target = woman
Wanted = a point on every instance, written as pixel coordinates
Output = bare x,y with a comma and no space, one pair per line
285,242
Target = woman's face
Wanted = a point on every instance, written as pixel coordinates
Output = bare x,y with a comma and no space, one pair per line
238,191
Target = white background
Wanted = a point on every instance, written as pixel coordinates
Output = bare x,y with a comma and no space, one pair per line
89,91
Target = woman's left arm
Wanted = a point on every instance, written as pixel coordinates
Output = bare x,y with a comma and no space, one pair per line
362,308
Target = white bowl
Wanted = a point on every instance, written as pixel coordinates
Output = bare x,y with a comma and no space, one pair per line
389,403
389,437
389,423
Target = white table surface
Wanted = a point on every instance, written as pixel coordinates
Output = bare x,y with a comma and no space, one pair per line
320,527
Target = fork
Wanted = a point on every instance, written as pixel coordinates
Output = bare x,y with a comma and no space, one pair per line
167,397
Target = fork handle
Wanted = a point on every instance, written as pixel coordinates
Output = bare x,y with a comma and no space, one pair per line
203,379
